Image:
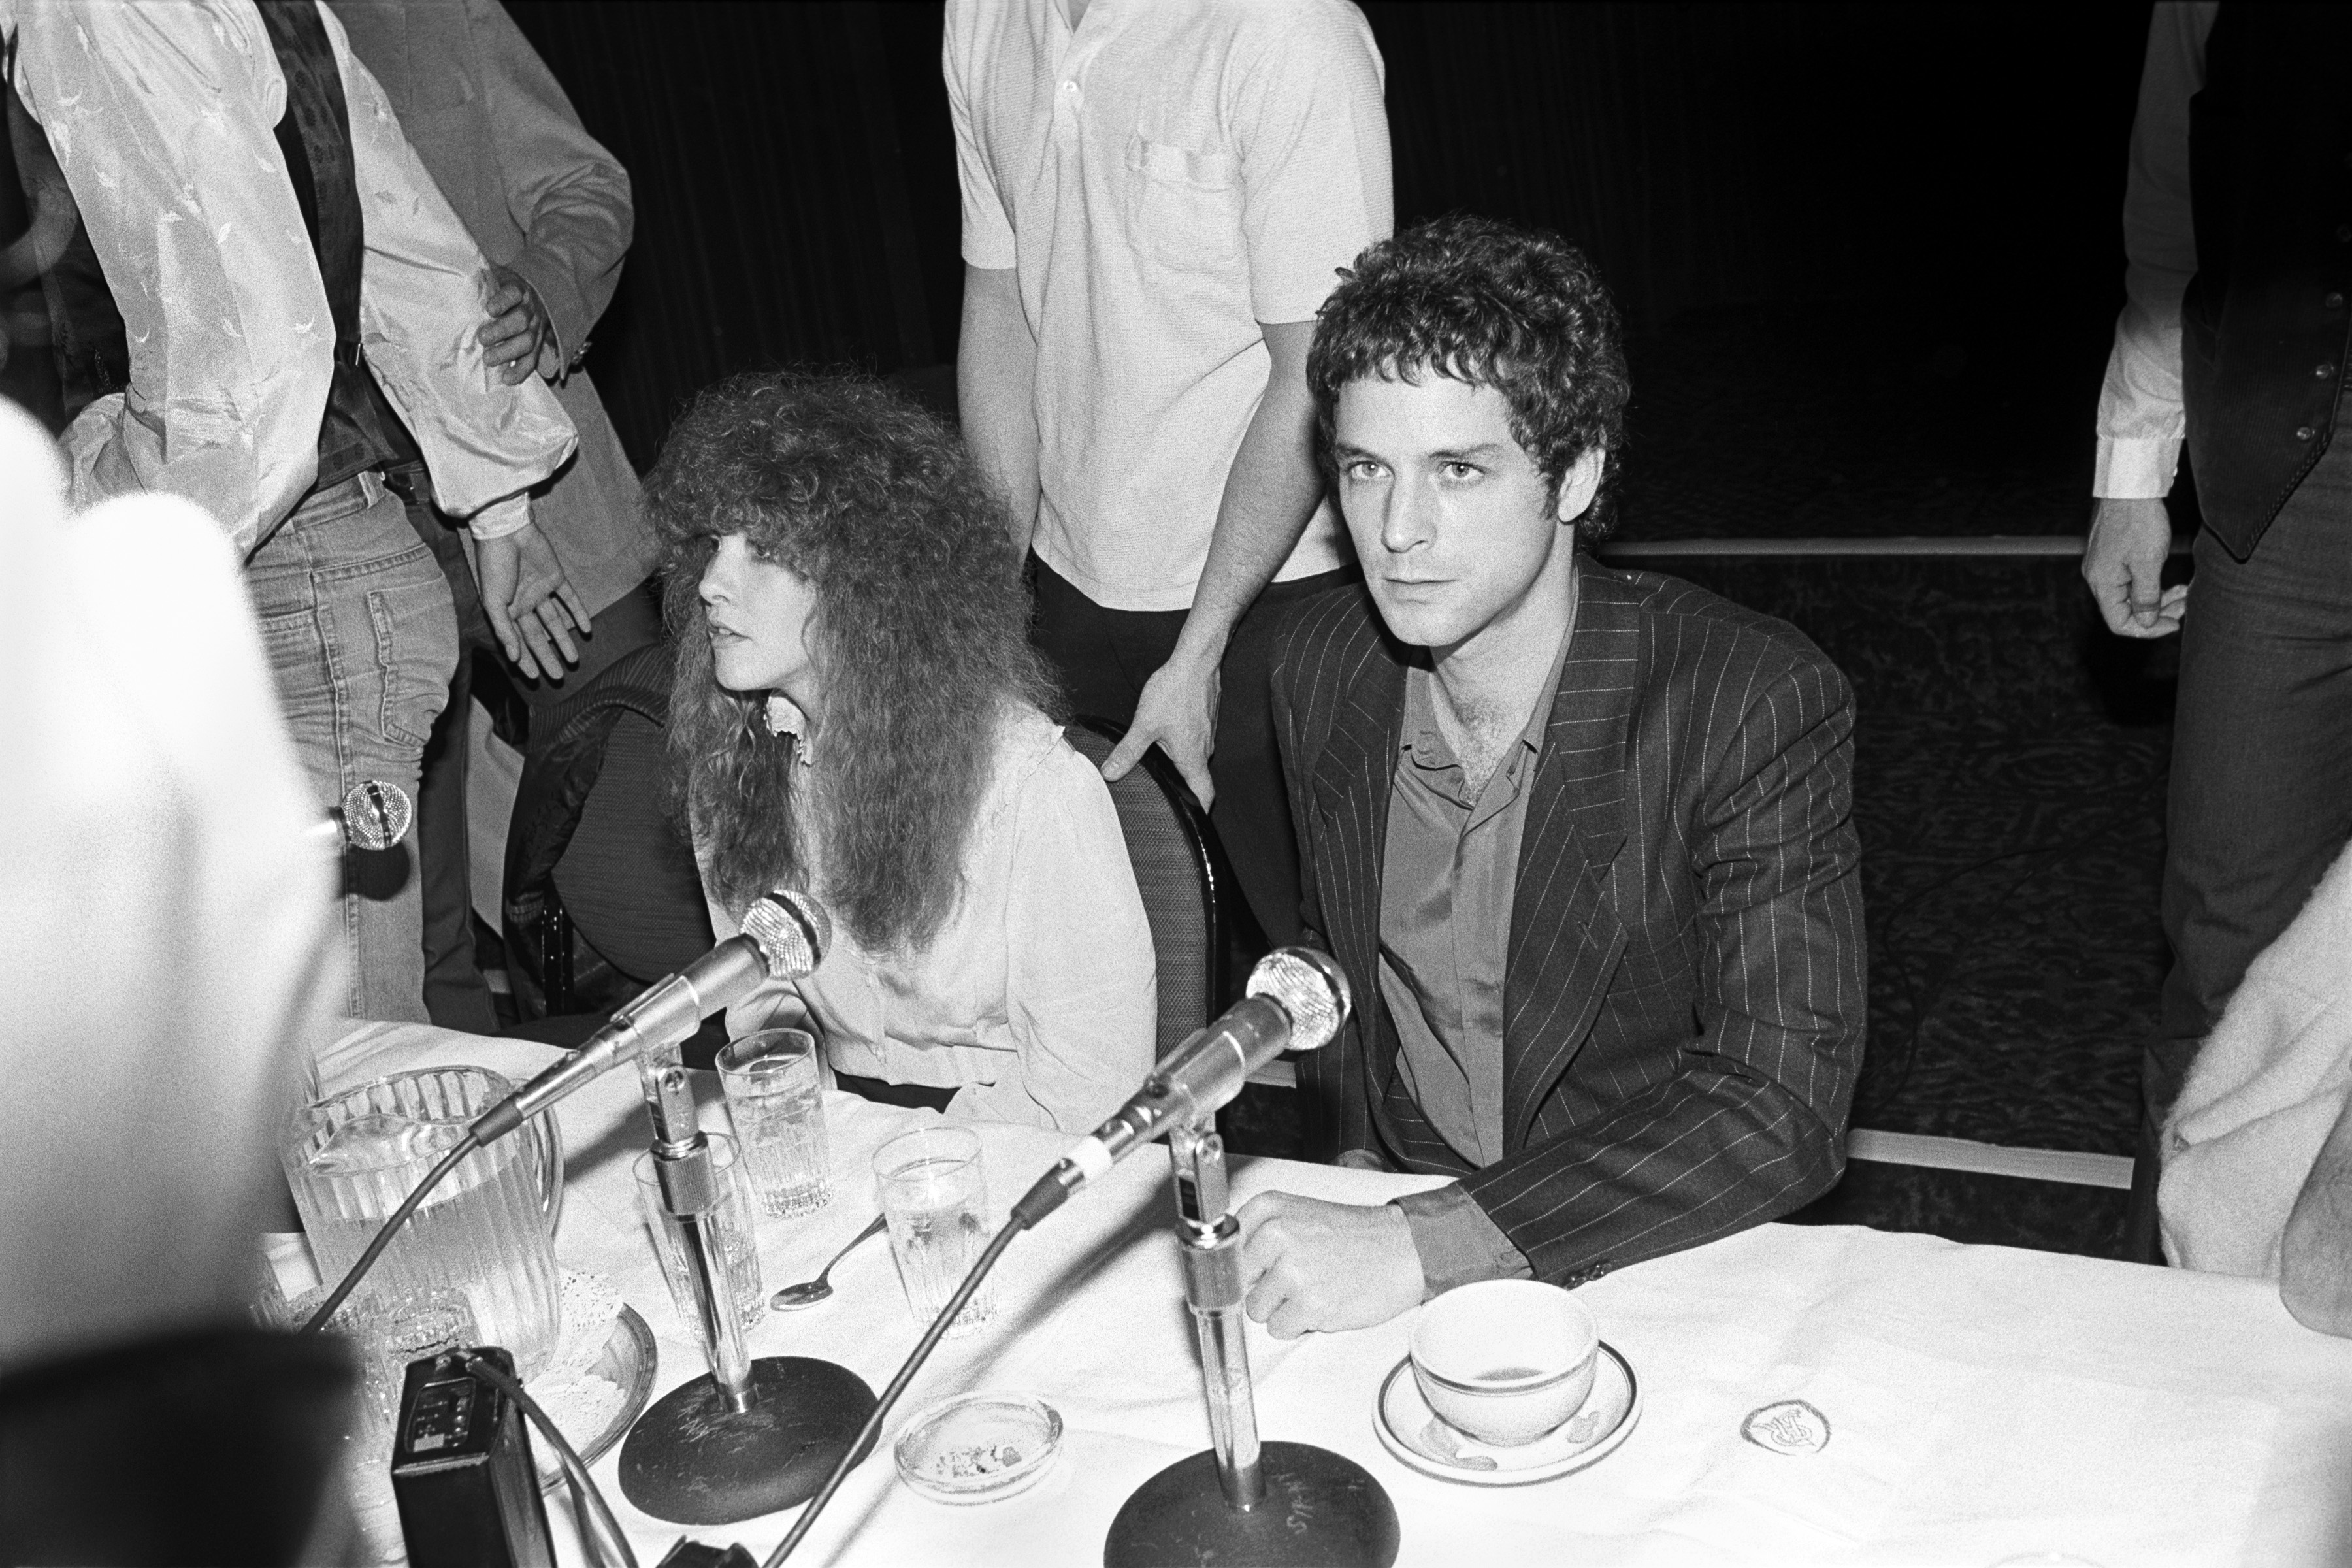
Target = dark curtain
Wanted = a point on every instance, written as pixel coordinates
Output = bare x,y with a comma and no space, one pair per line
796,193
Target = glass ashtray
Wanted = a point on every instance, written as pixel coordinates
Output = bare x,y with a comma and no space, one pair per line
980,1446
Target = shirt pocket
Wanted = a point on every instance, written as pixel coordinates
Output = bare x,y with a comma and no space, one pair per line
1183,208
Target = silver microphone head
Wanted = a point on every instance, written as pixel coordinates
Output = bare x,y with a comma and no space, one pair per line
377,814
792,931
1310,986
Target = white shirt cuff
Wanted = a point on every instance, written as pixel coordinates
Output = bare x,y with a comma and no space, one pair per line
510,514
2139,469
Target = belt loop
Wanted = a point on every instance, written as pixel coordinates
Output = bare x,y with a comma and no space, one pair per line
372,484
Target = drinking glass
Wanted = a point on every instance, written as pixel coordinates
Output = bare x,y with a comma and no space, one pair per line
773,1100
935,1197
484,1234
737,1240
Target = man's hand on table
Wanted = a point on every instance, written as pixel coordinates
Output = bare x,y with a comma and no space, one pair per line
1311,1265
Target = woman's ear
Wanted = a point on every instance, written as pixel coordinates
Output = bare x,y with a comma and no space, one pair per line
1581,483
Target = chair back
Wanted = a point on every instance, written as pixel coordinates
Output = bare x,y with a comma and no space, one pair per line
566,757
1173,850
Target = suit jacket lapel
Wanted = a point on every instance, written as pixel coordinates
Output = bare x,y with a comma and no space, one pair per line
1351,784
1565,935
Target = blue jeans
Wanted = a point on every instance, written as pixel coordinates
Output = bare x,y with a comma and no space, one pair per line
357,624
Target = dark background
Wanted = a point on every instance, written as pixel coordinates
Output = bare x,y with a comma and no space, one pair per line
1920,195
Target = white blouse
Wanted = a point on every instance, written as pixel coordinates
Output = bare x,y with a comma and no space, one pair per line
1037,1001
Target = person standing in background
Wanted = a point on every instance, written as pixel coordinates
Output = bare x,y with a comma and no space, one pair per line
1157,198
301,306
2238,224
551,208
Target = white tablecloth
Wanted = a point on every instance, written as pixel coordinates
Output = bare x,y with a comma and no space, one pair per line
1985,1403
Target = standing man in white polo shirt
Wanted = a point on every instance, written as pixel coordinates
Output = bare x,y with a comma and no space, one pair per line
1158,195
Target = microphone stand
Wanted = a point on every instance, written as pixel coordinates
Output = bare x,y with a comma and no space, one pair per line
1245,1500
748,1436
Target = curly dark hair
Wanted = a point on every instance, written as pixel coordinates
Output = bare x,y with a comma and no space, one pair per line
1475,300
920,636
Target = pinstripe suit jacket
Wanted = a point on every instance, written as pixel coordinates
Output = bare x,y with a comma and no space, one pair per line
1683,1009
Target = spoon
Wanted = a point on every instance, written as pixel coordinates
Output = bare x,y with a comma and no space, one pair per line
809,1292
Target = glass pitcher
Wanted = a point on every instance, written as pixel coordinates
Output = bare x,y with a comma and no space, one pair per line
487,1231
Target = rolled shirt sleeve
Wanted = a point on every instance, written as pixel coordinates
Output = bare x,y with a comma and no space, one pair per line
2141,421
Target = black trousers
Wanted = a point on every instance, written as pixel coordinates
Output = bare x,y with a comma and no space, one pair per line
2258,805
455,996
1104,657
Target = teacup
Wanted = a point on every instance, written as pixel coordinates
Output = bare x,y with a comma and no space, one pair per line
1506,1360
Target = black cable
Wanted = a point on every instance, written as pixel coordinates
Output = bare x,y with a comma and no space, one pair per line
385,1233
923,1348
574,1468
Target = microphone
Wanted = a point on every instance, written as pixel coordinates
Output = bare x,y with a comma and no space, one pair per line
375,815
1297,999
784,937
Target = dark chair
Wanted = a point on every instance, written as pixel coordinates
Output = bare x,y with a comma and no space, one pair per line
601,896
1182,872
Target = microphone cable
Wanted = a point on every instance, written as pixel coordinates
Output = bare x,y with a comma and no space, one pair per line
914,1364
385,1232
583,1489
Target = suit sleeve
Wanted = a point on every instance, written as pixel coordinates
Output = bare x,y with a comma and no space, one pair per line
1752,1123
569,195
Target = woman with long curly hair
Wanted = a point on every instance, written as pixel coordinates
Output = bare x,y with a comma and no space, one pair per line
858,714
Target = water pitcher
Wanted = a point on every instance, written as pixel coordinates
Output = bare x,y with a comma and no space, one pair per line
486,1231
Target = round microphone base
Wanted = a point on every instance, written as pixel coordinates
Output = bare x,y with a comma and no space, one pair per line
1321,1509
691,1460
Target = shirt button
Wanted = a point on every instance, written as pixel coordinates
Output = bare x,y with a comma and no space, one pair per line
2324,372
1070,87
2304,433
2334,301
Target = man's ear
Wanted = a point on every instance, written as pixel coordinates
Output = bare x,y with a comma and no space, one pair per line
1582,483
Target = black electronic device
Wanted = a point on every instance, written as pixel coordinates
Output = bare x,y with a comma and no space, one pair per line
462,1469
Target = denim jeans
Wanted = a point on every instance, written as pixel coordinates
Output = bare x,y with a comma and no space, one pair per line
357,624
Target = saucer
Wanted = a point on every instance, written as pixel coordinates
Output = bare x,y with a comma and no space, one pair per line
1414,1433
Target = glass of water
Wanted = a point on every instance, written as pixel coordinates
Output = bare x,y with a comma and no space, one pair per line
772,1099
936,1199
737,1240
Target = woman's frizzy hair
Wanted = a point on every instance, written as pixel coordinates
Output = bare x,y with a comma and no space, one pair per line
1486,303
919,634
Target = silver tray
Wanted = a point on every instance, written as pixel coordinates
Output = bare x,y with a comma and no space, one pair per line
628,1360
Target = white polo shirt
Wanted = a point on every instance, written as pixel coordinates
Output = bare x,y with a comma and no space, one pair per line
1163,180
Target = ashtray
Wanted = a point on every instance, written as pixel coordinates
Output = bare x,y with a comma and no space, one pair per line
979,1448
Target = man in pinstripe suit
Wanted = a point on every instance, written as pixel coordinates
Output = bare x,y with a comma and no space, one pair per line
1581,839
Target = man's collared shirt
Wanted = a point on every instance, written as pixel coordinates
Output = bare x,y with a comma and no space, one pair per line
1448,873
1163,180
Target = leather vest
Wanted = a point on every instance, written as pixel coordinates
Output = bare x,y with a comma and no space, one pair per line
2265,334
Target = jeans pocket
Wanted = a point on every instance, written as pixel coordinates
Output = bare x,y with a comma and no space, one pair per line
415,633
